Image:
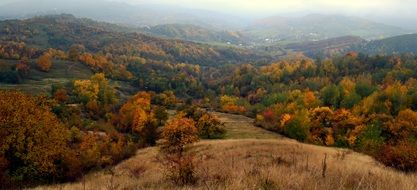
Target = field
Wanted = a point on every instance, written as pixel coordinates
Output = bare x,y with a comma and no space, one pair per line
265,161
40,82
61,73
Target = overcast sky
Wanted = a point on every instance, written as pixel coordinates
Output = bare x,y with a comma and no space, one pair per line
398,8
393,8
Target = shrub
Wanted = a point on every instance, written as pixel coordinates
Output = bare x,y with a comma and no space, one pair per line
44,62
402,156
209,127
298,126
370,140
180,169
10,76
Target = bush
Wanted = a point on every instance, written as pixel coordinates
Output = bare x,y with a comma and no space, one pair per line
10,76
298,127
180,169
402,156
209,127
370,140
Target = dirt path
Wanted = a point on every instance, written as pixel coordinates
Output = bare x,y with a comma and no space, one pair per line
241,127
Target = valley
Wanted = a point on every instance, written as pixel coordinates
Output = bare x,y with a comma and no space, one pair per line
125,94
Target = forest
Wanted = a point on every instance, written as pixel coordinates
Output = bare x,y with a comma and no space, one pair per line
367,103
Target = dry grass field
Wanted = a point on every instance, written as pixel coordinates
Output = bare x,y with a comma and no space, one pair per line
268,162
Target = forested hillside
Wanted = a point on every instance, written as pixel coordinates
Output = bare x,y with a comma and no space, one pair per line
326,48
197,33
280,29
63,31
394,45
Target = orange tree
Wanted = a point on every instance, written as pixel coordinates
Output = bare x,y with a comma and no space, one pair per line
32,140
137,117
44,62
176,134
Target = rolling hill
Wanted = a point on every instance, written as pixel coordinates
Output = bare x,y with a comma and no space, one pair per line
63,31
315,27
139,15
393,45
196,33
327,47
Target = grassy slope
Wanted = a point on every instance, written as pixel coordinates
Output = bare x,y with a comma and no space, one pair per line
269,162
40,82
60,73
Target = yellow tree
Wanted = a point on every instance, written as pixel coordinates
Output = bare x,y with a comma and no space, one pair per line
177,133
320,130
404,127
136,116
96,93
44,62
33,141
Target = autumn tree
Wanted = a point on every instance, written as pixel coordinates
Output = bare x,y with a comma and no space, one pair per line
161,114
346,127
136,116
33,140
321,126
75,51
176,134
209,127
298,126
44,62
61,95
404,127
96,93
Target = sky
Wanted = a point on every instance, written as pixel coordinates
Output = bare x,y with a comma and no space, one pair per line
393,12
391,8
397,8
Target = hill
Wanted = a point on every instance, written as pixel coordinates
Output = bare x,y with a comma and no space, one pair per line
328,47
139,15
318,27
393,45
63,31
265,163
195,33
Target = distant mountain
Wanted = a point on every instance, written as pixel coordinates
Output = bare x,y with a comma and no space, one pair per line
393,45
315,27
195,33
63,31
122,13
326,48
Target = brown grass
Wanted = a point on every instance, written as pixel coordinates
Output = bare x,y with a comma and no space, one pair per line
277,163
241,127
